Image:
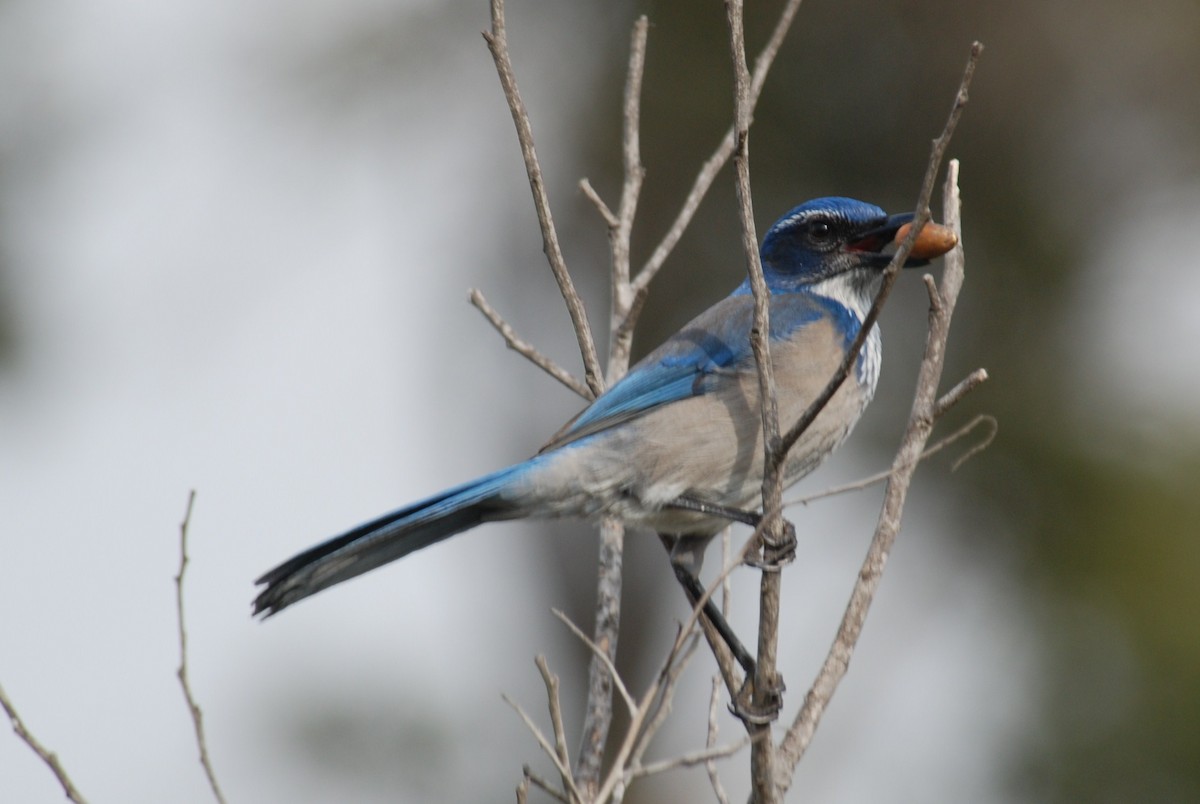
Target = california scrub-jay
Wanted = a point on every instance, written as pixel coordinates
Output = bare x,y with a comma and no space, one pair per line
676,444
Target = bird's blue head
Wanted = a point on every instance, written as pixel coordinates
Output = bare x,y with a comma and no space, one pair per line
828,238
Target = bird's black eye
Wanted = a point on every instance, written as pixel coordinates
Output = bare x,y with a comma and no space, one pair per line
820,231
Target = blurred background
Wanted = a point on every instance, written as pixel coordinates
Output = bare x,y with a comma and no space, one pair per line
236,240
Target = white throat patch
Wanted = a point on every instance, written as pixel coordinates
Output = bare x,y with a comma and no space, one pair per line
856,291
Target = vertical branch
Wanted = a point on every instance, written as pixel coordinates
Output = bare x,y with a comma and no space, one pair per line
193,707
619,235
598,711
497,42
766,680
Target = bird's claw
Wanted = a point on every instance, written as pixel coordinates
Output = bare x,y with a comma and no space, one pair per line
776,554
762,711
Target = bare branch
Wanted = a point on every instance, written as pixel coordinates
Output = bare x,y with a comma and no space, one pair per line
563,770
542,784
712,166
605,212
667,681
702,757
938,446
497,42
921,422
527,350
645,721
955,394
764,695
630,703
598,717
556,721
598,713
46,755
182,673
710,766
978,448
620,235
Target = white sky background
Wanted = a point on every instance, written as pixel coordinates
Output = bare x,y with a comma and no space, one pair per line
227,282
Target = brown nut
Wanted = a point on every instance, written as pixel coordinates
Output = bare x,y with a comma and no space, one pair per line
934,240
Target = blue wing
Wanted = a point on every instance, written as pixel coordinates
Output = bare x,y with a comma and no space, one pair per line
713,347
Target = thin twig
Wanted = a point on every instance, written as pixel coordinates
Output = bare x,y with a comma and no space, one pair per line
921,422
952,397
765,692
724,150
543,785
710,740
668,680
701,757
182,673
497,42
939,445
563,770
590,193
527,350
46,755
646,719
630,703
620,233
554,703
978,448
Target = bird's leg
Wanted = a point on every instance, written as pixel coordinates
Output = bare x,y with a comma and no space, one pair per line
776,554
741,705
685,503
695,591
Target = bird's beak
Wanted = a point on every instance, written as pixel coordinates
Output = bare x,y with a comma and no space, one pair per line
934,241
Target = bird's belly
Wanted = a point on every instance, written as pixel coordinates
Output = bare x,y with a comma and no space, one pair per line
707,447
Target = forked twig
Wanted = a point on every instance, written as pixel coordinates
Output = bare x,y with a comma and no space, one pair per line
554,703
939,445
542,784
563,768
497,42
721,155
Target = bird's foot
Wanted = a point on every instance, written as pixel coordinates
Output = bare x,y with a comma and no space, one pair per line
758,709
776,553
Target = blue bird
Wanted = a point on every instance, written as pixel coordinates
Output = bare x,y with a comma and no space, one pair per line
676,445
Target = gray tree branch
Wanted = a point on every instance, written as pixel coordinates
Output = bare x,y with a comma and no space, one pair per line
924,415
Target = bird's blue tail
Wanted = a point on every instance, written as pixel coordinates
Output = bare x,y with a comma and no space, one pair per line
388,538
